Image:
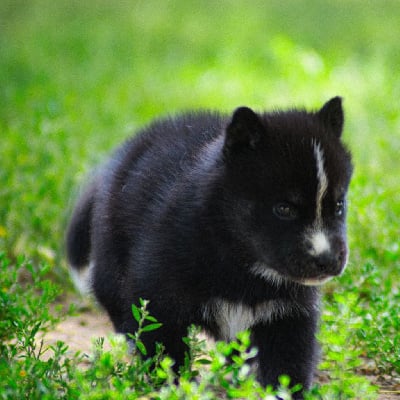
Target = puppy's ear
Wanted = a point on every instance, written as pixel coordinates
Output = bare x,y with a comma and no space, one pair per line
243,132
331,114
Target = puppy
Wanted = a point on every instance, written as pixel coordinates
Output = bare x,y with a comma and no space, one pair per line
226,222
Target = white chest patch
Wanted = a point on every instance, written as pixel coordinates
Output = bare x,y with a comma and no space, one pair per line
232,318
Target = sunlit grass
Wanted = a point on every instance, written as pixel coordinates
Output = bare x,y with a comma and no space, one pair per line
76,78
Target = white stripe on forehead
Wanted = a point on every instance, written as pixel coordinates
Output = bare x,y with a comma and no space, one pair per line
322,180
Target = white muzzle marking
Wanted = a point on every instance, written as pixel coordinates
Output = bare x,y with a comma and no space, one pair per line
319,243
322,180
318,239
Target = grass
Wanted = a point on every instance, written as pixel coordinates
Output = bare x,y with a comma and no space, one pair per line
76,78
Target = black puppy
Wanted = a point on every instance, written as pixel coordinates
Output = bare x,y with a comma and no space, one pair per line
229,223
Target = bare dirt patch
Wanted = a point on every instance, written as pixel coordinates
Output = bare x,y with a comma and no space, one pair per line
79,331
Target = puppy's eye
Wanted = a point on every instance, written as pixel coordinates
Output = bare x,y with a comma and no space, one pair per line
285,211
339,208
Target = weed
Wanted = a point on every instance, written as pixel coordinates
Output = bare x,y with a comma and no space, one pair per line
30,369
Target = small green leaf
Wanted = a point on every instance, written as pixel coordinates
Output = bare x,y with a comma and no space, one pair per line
151,327
161,374
136,313
284,380
141,347
203,361
143,302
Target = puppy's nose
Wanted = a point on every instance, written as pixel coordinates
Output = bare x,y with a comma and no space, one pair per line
332,262
326,263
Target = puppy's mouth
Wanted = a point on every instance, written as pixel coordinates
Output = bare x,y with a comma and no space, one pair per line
317,281
277,278
320,279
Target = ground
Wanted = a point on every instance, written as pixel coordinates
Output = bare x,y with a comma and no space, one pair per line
79,331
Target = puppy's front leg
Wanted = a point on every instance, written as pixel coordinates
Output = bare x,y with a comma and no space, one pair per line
287,347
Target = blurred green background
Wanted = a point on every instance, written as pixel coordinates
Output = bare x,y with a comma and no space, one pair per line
78,77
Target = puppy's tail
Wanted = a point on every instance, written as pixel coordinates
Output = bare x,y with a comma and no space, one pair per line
78,239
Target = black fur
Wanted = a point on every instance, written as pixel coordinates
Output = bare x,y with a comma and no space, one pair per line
208,215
